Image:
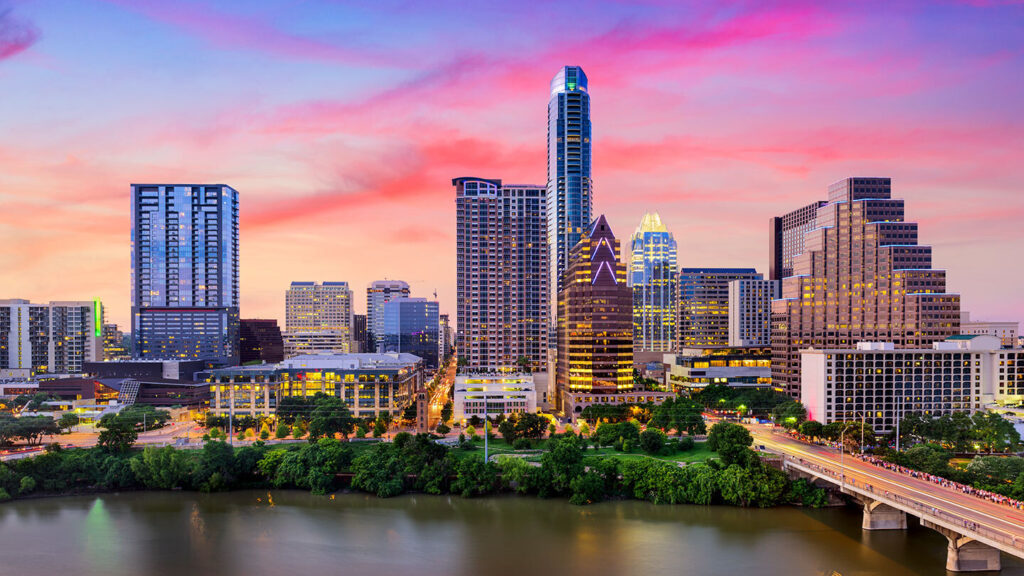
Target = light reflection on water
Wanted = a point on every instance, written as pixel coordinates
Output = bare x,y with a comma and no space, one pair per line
247,533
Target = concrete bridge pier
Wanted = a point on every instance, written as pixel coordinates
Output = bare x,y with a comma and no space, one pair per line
881,516
965,554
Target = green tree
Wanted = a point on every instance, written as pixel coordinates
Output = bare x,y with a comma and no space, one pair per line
290,409
162,468
994,433
731,441
560,465
379,428
443,429
281,431
67,421
330,416
117,434
652,440
446,411
516,474
475,478
789,414
811,428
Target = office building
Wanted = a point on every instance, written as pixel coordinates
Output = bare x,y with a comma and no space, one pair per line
318,318
750,311
54,338
498,393
880,383
786,239
595,327
411,326
116,346
260,340
359,333
185,271
501,275
737,367
703,305
444,336
370,384
162,383
1007,332
569,186
377,294
862,277
652,275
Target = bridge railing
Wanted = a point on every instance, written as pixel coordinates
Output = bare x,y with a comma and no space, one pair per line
922,511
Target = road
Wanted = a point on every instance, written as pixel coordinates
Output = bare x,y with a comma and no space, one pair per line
985,513
161,436
442,393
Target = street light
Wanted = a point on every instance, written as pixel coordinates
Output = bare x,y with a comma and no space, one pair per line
842,470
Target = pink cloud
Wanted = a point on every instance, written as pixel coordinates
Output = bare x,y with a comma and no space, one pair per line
15,36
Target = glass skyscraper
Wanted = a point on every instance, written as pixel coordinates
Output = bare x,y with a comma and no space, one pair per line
569,185
652,274
378,294
411,326
185,271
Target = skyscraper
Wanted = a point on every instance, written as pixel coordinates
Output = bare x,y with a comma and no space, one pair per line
861,277
411,326
359,333
501,275
704,304
318,318
114,343
595,324
185,271
569,187
786,239
750,312
652,274
377,294
260,340
54,338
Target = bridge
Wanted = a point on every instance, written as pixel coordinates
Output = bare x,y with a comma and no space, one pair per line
977,529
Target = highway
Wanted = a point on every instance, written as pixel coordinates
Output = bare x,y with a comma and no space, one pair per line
943,501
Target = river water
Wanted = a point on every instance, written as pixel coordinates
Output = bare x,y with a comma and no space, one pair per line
293,534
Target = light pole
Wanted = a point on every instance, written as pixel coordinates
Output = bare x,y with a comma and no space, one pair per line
842,470
487,425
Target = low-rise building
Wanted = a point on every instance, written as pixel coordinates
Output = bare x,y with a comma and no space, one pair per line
695,368
500,393
370,384
879,384
1007,332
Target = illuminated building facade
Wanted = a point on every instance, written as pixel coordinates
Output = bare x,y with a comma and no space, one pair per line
378,294
750,311
54,338
501,275
569,186
595,327
1007,332
370,384
318,318
738,367
862,277
652,275
115,345
411,326
786,238
497,393
260,340
703,305
185,271
359,333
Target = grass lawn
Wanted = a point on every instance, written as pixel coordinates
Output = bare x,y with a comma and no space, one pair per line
700,453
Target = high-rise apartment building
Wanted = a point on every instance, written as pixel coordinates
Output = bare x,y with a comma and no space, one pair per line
185,271
318,318
501,275
595,324
377,294
115,345
786,239
54,338
411,326
861,277
569,187
260,340
750,311
703,305
652,274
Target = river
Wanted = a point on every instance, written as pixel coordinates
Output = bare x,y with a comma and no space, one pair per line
293,533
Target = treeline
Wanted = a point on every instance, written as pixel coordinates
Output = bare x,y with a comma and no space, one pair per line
416,463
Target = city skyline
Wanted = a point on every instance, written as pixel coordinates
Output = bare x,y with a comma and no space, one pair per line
695,150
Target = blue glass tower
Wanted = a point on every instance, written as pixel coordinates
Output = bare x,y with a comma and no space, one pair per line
569,185
185,271
411,325
652,274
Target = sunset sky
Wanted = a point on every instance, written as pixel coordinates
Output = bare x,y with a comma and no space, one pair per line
342,125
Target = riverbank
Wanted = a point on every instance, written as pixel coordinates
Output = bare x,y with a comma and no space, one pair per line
570,468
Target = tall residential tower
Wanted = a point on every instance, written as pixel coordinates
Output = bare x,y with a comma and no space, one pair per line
185,271
569,187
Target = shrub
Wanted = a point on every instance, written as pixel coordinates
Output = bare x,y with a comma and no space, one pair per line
685,444
522,444
652,440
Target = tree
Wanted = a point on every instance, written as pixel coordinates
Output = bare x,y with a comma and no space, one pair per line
731,441
446,411
281,431
471,432
264,432
652,440
118,434
811,428
67,421
330,416
584,429
443,429
524,364
508,431
994,433
560,465
789,414
293,408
